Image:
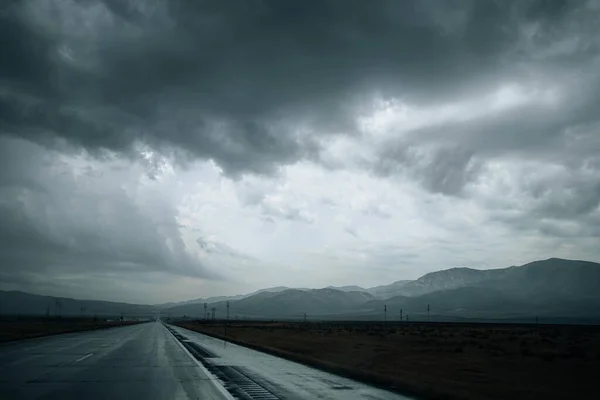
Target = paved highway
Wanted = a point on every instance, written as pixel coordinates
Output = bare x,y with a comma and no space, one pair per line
147,361
134,362
273,377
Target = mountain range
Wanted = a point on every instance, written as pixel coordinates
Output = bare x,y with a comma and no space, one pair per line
216,299
21,303
547,288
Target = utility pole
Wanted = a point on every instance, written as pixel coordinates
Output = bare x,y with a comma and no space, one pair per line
385,316
205,312
304,317
400,315
227,318
81,311
57,307
428,319
213,313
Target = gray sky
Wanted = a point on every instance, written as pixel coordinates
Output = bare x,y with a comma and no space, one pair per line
161,150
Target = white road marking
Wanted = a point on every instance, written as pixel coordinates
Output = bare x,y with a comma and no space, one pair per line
84,357
212,378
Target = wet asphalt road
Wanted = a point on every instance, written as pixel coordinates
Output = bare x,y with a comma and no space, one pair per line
134,362
273,375
147,361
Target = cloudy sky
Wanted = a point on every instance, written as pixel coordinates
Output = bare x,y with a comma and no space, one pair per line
161,150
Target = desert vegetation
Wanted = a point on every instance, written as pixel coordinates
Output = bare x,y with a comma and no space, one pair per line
429,360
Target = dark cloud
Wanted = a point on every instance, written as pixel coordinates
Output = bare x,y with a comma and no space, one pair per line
256,86
570,199
550,198
566,205
557,49
240,83
54,223
213,246
441,169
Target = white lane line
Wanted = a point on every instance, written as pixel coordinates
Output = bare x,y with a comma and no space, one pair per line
211,377
84,357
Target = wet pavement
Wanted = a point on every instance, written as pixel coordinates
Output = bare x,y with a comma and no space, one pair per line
154,361
273,377
135,362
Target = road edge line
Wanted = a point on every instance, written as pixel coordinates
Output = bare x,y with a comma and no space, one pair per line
215,380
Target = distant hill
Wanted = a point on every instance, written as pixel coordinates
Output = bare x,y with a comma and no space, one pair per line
216,299
554,277
21,303
387,291
553,287
352,288
447,279
549,287
379,292
286,303
559,276
466,300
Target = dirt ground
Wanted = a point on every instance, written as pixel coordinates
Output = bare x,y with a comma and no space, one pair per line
438,361
31,328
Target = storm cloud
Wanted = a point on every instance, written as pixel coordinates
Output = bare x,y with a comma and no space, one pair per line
127,127
246,85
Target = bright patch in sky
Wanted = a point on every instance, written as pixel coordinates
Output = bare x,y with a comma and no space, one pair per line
167,150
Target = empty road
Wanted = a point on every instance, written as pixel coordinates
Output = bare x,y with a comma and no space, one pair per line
147,361
134,362
282,378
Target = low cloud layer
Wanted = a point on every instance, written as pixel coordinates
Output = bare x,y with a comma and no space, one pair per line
232,147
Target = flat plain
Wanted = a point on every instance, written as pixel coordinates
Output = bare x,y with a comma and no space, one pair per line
436,360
